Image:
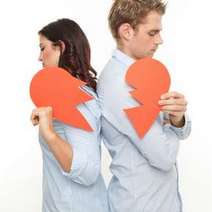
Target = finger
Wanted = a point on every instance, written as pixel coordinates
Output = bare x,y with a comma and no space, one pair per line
177,108
35,120
34,117
44,111
34,113
172,101
172,94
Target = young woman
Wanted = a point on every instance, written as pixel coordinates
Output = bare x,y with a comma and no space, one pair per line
71,157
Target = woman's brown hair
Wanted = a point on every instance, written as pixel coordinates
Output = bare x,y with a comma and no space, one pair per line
76,56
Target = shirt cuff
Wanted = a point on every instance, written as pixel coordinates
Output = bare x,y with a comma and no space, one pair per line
78,164
182,132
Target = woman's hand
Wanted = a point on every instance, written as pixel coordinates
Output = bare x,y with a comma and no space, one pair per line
42,116
174,104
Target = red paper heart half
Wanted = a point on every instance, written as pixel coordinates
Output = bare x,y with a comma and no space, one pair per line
55,87
150,79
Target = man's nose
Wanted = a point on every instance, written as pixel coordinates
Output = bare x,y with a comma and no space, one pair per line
40,58
158,39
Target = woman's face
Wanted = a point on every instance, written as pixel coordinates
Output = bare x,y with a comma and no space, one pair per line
49,54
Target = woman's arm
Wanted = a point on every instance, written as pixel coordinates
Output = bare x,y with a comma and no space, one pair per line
76,150
61,149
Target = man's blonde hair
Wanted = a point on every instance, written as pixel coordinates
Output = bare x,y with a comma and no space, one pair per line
132,12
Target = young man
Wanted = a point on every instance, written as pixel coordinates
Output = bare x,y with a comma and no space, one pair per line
145,176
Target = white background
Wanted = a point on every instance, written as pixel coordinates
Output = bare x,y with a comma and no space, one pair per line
186,52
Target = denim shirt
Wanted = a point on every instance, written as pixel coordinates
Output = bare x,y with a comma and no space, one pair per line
83,188
145,176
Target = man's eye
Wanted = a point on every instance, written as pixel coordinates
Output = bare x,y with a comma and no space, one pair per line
42,48
152,33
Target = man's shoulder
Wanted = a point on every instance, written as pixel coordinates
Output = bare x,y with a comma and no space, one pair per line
113,68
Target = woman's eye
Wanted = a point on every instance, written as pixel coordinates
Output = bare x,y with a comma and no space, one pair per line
42,48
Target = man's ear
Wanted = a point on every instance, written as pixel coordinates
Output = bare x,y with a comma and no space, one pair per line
126,31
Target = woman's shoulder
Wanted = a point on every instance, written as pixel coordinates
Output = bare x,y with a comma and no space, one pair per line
89,109
93,104
90,91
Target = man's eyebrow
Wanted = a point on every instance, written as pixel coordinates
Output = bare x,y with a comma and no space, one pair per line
155,30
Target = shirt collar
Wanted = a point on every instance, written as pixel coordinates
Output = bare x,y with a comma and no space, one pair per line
122,57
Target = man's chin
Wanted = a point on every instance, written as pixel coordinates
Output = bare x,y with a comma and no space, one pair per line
151,54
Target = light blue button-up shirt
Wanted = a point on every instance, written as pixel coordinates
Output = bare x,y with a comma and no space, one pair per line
145,177
83,188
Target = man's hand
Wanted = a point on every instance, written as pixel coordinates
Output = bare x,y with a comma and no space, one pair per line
174,104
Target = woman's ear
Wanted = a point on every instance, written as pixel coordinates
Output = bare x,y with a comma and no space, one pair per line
62,46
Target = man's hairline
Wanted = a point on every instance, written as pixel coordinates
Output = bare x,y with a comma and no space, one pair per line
117,40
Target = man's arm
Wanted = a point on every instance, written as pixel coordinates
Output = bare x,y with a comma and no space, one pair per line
160,144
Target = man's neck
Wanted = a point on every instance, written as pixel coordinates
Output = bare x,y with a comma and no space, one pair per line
125,51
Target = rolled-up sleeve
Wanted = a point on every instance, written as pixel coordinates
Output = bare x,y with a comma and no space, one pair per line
182,132
85,166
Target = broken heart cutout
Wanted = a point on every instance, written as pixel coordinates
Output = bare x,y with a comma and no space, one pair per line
55,87
150,79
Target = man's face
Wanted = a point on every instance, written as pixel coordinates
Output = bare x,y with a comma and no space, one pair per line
146,38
